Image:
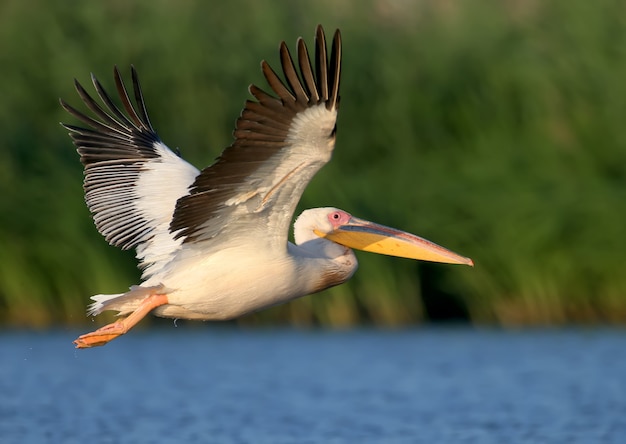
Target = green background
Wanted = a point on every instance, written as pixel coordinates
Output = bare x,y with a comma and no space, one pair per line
495,128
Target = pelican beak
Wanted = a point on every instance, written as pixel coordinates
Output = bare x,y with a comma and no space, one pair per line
368,236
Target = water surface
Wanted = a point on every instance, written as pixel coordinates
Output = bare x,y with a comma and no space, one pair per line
221,385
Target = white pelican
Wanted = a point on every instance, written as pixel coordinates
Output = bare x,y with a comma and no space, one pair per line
213,244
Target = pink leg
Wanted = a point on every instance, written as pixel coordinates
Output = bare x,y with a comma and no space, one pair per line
111,331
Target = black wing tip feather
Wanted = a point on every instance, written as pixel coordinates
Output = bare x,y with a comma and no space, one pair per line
108,125
305,84
300,86
141,103
335,66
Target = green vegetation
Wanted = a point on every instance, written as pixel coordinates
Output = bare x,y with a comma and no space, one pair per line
495,128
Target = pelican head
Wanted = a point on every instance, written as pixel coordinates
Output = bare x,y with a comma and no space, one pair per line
340,227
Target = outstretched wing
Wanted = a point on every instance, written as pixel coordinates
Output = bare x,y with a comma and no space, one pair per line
132,179
280,143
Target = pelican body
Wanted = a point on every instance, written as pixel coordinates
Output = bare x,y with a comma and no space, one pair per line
213,244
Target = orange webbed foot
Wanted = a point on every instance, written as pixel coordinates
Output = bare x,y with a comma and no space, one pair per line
111,331
101,336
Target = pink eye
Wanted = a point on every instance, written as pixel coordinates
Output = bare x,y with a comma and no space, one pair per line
338,218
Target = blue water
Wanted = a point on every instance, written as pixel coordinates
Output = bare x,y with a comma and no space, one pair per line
221,385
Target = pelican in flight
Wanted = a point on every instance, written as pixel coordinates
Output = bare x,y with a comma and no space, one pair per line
213,244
